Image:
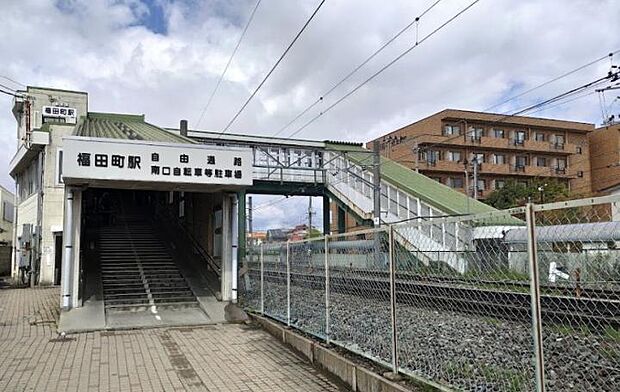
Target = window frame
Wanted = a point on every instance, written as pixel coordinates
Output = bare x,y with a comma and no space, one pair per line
58,169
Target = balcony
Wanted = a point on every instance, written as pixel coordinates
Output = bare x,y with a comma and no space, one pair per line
507,144
443,165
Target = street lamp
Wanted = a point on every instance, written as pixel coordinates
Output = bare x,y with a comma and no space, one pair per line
541,189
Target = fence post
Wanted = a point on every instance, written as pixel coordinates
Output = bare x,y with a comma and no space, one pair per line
288,284
393,299
326,289
262,280
539,364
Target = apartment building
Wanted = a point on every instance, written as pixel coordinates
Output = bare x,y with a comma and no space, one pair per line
448,146
605,163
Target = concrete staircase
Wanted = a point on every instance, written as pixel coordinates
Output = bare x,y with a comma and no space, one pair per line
137,271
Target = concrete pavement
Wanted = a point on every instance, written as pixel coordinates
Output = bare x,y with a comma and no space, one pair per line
222,357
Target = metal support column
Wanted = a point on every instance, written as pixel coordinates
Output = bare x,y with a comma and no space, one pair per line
532,252
393,299
326,214
235,226
262,279
67,259
226,249
326,290
242,228
288,283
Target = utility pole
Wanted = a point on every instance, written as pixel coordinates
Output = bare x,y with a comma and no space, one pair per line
310,216
467,186
376,180
250,229
475,164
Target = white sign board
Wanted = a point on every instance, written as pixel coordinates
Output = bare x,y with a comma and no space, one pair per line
69,114
132,160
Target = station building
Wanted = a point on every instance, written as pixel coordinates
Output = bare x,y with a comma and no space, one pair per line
141,224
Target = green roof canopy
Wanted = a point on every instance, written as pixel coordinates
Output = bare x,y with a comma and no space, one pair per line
124,126
432,192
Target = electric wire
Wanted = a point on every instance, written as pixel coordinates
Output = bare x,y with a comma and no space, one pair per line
12,80
272,68
374,75
357,68
232,55
552,80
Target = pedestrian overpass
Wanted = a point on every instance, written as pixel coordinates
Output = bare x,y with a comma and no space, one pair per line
155,218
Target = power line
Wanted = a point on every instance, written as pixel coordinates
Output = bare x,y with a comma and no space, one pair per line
362,64
520,111
541,104
553,80
12,80
274,67
217,85
403,54
11,93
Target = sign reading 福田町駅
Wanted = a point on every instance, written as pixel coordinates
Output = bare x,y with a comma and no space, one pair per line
130,160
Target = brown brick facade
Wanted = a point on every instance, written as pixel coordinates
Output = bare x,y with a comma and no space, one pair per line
443,146
605,158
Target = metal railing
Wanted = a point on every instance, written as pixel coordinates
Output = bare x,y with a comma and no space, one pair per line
181,234
525,299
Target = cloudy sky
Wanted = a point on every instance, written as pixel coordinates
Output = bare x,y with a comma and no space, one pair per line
163,58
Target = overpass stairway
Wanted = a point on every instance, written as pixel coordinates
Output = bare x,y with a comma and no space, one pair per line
137,270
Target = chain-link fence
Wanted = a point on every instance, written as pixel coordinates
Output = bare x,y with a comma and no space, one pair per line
514,300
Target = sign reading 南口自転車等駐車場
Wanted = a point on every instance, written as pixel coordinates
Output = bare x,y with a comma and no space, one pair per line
130,160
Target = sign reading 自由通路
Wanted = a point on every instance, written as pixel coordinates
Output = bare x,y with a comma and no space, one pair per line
129,160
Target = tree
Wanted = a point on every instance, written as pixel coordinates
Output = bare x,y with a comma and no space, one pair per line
515,194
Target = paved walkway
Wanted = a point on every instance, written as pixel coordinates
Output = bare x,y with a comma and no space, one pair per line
208,358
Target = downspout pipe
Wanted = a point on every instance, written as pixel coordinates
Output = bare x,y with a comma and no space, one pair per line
67,260
235,246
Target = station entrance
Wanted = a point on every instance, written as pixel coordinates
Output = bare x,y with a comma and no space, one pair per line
151,232
151,257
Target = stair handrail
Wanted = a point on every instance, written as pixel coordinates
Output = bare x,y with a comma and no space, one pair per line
165,214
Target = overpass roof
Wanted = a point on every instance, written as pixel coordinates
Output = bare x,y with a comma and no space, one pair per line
416,184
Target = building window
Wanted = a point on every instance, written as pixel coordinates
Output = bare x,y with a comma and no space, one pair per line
560,167
455,182
522,183
519,137
482,185
520,161
579,150
562,163
541,161
540,137
499,159
438,179
7,211
479,157
59,180
431,156
498,133
449,130
454,156
559,142
477,133
499,184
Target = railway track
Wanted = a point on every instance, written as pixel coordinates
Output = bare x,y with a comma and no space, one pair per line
597,313
568,289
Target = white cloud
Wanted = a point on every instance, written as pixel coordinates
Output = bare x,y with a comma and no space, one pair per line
99,46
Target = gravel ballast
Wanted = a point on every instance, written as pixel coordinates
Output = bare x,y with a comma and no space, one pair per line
463,351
